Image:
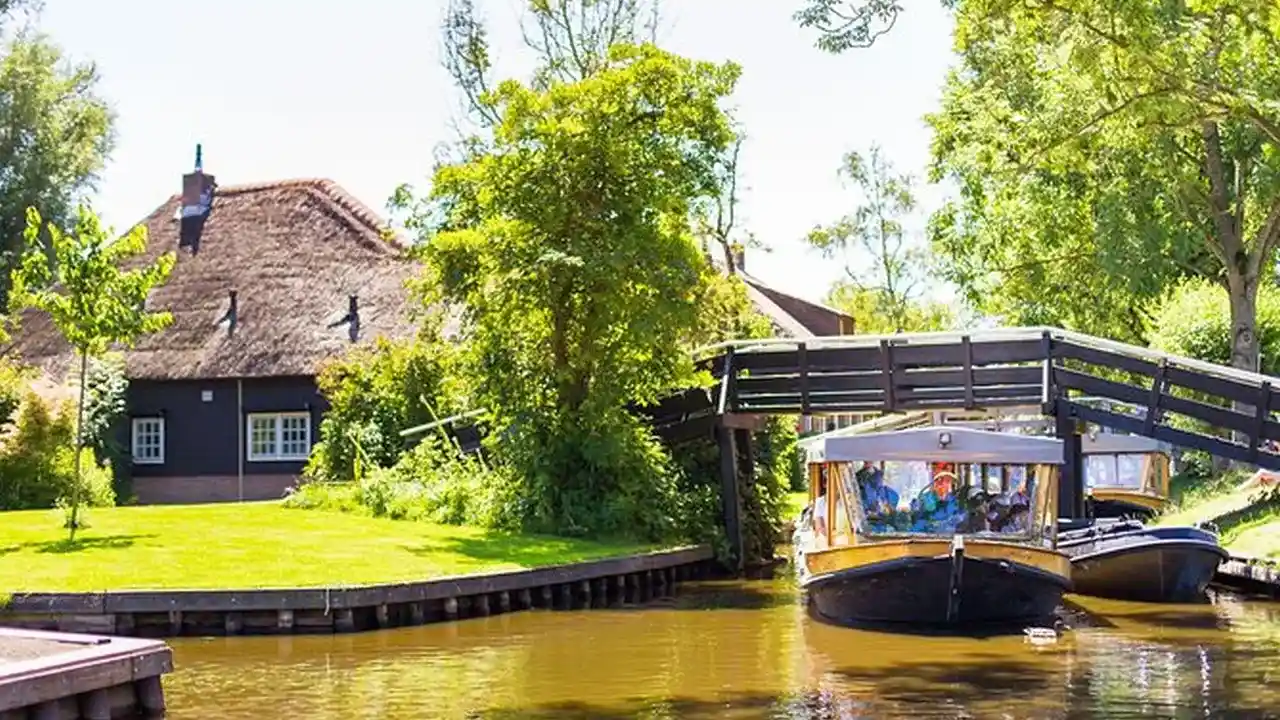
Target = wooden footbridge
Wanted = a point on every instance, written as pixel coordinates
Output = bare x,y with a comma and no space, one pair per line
1187,403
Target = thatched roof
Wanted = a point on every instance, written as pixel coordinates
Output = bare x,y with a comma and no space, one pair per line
293,252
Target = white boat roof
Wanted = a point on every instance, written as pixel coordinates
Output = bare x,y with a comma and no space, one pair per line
1104,443
962,445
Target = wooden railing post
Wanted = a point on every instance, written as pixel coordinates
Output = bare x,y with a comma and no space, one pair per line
1071,489
1048,392
968,372
1157,392
731,499
886,369
1261,411
803,352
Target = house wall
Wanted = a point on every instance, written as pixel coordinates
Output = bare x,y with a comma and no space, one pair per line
203,438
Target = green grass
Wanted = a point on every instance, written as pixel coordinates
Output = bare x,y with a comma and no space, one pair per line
258,545
1259,538
795,504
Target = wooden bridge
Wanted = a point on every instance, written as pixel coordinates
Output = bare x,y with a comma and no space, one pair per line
1187,403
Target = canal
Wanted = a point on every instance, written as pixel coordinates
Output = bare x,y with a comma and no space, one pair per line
743,650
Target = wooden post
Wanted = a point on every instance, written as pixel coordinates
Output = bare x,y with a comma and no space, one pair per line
417,613
731,500
451,608
480,605
95,705
382,615
344,620
175,622
284,620
150,694
887,376
967,344
1071,489
231,623
545,597
524,599
504,602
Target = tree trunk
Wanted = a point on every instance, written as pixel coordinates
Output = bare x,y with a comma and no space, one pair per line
79,480
1244,322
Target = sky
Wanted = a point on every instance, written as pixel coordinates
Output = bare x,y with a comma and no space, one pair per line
278,89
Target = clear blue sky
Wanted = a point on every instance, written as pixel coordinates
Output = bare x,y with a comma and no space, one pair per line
353,91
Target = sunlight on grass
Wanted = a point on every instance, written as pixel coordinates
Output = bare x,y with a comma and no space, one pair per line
1259,538
258,545
795,504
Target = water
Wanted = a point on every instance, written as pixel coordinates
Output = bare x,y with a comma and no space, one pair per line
744,650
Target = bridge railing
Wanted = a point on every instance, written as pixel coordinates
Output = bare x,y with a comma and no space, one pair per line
1012,367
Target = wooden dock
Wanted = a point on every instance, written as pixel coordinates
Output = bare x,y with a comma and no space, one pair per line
1252,575
167,613
58,676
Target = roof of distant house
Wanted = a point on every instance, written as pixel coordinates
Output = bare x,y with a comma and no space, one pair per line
293,252
791,316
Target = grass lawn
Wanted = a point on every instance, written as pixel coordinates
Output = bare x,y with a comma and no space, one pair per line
1259,538
795,504
257,545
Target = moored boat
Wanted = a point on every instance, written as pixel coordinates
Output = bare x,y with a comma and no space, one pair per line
1125,475
933,526
1127,560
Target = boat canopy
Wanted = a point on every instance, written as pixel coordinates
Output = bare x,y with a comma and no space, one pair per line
939,444
1114,443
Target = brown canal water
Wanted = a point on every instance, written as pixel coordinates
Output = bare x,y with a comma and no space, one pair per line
744,650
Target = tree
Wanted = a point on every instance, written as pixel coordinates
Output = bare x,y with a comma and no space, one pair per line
845,24
55,135
1114,149
866,307
92,301
569,245
878,259
570,40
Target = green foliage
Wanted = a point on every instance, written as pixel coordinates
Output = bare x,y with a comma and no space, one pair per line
59,132
374,392
846,24
885,269
1103,152
78,278
568,245
38,462
871,311
1194,320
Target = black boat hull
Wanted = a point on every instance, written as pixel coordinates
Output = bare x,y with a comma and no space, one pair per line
1169,565
917,591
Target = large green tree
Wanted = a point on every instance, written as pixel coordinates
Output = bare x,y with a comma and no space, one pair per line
569,245
55,134
1105,150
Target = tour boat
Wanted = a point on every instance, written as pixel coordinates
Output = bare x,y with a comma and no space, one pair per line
933,526
1125,475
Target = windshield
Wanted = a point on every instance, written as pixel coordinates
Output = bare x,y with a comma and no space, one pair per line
945,498
1130,471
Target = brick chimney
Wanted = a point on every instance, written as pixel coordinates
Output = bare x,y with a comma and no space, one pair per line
197,190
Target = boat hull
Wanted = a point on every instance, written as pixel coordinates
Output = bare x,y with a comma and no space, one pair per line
917,591
1171,565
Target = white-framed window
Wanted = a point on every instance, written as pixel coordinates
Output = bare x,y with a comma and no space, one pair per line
278,436
148,441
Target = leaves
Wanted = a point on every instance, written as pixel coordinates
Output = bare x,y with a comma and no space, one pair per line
55,134
78,280
1083,137
884,268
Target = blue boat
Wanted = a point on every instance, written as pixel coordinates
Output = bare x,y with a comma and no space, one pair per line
1127,560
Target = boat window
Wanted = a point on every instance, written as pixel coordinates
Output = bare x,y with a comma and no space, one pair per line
942,498
1127,470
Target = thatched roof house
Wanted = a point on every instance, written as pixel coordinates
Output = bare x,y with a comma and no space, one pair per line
271,280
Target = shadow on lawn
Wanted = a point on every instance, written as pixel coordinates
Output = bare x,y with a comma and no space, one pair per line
65,546
527,550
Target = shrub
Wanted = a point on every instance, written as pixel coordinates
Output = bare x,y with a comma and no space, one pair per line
374,392
37,459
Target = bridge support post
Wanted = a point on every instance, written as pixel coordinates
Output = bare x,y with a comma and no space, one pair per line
1071,490
730,497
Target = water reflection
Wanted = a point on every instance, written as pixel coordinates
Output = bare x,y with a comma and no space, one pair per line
744,650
